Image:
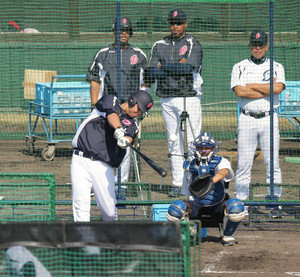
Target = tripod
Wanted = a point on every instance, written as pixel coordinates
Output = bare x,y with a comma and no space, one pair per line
184,120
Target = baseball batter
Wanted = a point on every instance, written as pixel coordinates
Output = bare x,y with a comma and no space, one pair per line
175,65
99,145
102,74
206,184
250,80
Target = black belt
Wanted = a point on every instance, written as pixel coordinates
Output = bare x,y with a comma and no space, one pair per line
256,115
82,154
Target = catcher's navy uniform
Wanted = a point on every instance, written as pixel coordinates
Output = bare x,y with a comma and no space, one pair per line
179,87
213,204
218,193
104,68
95,154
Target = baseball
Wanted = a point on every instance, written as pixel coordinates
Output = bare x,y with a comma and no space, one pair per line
173,137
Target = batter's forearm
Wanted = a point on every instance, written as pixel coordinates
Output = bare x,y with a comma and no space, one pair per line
94,92
115,122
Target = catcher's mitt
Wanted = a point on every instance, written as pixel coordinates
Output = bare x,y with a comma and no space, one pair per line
201,185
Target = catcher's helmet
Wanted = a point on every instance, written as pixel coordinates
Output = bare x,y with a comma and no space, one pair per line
124,23
205,140
143,99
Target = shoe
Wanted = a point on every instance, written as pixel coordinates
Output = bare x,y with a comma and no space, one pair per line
91,251
121,194
228,241
246,210
175,192
275,213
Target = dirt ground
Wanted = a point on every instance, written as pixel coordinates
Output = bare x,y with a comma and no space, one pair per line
262,250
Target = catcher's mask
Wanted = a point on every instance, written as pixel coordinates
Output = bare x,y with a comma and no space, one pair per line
125,23
205,147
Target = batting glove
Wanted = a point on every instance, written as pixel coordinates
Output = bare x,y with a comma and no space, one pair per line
123,142
119,133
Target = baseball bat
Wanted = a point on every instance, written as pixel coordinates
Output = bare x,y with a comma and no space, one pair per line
153,164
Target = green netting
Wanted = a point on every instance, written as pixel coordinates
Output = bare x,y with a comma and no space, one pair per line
27,197
40,252
289,203
67,34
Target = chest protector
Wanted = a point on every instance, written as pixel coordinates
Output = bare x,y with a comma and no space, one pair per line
217,193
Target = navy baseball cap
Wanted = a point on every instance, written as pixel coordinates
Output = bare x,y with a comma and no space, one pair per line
177,15
258,37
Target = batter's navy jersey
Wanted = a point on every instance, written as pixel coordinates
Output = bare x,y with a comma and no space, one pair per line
169,50
95,136
104,68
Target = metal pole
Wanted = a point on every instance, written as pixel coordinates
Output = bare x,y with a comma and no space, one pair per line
119,197
271,104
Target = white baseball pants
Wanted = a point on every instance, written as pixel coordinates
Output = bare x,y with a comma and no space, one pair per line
252,131
99,176
172,108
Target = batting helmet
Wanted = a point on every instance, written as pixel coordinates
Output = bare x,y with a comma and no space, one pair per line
124,23
143,99
205,140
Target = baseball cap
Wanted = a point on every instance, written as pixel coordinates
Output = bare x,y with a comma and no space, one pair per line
258,37
124,23
177,15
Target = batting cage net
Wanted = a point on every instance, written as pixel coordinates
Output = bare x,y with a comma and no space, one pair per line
105,249
51,52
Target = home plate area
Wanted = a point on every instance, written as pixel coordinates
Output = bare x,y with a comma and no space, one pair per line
260,252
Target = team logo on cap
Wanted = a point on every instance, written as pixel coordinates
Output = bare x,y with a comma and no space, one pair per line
124,20
175,14
134,59
257,35
127,122
183,50
149,106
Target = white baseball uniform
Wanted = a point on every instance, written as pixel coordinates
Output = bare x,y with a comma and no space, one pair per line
254,123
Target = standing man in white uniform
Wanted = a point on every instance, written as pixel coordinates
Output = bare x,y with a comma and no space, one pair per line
250,80
175,65
99,145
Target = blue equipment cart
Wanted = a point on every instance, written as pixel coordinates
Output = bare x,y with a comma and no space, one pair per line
57,101
290,104
289,107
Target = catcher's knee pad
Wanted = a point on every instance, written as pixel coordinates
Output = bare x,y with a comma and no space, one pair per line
235,210
177,211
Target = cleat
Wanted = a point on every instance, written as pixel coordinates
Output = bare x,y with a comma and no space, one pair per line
175,192
228,241
275,213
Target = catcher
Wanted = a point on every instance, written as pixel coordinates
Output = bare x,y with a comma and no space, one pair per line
206,184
